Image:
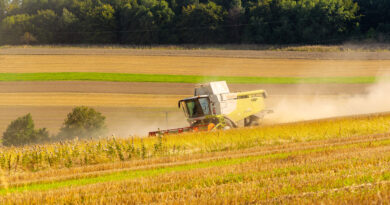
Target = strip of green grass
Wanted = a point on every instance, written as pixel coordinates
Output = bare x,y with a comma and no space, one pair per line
126,175
126,77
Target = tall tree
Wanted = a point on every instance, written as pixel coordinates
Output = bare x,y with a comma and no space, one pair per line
375,15
22,131
68,28
45,24
3,9
15,27
100,25
146,23
302,21
234,21
83,122
202,23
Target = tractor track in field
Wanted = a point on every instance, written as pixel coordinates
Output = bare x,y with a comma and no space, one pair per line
202,158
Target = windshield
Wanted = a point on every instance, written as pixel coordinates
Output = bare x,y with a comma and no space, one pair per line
197,107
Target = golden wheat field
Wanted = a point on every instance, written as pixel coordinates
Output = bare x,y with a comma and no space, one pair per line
187,65
332,161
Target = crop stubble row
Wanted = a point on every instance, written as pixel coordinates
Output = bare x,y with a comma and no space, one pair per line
214,141
267,178
244,165
20,179
106,150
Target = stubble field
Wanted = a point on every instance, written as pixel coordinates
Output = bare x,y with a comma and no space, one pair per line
332,161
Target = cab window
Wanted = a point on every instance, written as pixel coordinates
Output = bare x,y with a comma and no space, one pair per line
204,103
197,107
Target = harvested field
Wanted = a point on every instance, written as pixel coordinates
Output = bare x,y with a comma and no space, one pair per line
326,161
201,66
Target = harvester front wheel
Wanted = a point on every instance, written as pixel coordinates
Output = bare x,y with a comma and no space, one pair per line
229,124
221,122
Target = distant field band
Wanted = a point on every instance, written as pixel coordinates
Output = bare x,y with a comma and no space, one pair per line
203,66
90,99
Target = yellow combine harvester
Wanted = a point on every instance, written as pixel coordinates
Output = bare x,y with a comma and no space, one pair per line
214,107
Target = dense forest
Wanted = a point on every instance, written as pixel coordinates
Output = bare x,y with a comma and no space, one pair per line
192,21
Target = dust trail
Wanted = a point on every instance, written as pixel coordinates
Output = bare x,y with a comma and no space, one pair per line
140,126
295,108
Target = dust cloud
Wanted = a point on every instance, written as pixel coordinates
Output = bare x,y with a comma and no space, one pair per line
308,107
140,126
302,104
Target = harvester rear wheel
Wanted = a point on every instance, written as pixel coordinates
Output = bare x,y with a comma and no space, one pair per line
252,120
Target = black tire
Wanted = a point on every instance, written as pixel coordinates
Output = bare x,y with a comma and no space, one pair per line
252,120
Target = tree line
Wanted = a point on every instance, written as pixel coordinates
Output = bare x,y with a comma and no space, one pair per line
143,22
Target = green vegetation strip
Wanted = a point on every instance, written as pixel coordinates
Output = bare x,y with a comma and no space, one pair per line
126,175
126,77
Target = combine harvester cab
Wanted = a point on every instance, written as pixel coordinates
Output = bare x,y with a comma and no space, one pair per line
214,107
